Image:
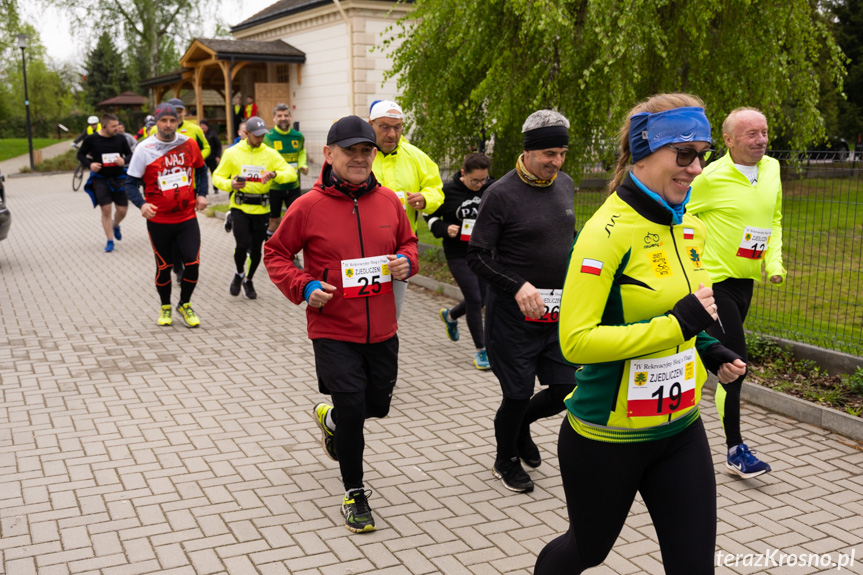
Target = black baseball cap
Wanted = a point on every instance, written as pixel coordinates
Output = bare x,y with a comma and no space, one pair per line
351,130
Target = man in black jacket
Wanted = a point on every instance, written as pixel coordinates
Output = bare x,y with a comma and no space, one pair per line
107,153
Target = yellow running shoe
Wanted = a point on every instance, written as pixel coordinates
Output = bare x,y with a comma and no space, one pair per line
189,315
165,316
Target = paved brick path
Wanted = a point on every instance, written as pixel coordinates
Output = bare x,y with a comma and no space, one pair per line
127,448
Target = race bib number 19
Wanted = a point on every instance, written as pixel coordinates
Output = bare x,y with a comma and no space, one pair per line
754,243
466,229
551,300
366,277
662,385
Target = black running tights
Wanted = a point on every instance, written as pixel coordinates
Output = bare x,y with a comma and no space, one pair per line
514,416
183,239
733,297
675,478
250,232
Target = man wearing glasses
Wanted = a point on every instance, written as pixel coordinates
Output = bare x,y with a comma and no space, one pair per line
405,169
739,198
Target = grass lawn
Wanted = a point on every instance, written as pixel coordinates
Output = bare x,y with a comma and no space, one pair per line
14,147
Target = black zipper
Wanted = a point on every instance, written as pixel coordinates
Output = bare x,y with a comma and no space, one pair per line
685,277
363,254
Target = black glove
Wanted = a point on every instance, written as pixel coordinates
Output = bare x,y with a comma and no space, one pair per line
691,316
717,354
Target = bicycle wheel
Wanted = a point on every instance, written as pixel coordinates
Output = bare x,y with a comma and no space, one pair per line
77,178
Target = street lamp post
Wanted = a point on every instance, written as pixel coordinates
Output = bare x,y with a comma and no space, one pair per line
22,43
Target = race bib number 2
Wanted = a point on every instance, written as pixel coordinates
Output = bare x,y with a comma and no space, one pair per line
662,385
754,243
366,277
551,300
173,181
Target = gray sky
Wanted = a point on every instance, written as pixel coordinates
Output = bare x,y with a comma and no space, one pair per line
56,34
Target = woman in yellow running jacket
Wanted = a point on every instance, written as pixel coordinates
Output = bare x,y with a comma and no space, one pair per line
634,306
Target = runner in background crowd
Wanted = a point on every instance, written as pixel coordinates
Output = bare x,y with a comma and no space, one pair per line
247,171
290,144
453,222
165,164
405,169
106,153
519,247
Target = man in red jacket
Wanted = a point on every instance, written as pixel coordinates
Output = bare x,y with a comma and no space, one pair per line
355,239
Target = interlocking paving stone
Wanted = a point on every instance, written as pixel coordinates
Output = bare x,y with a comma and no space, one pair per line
128,449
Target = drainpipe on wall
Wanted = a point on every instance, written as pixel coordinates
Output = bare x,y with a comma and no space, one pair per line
351,102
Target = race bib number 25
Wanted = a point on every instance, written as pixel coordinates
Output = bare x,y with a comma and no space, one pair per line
366,277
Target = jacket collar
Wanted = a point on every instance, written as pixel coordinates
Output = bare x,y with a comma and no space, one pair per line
321,186
638,200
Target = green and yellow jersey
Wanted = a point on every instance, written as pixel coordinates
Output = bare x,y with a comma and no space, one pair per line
291,146
628,267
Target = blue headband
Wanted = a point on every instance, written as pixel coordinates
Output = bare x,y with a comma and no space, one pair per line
649,132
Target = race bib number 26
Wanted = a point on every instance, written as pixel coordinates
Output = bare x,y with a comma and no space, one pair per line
551,300
366,277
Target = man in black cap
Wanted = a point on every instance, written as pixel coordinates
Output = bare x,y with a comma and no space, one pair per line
356,239
520,247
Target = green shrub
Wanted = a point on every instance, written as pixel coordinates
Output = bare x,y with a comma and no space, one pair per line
763,350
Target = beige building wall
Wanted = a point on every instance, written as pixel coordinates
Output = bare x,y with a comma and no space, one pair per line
326,87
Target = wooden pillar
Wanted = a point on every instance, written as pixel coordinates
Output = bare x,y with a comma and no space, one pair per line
199,96
229,96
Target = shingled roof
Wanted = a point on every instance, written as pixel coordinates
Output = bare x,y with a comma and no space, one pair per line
284,8
241,48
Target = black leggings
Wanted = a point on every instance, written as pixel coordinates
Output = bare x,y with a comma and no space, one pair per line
473,290
514,416
733,297
184,239
675,478
250,231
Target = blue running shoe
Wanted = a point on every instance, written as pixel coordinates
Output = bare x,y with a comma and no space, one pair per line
451,326
117,235
109,247
743,462
480,361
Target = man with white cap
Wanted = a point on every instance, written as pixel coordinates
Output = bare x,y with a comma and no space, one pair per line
405,169
246,172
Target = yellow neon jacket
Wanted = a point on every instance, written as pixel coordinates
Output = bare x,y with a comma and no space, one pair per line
194,132
628,267
409,170
724,199
242,154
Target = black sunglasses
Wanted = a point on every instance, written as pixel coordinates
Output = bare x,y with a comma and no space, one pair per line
686,156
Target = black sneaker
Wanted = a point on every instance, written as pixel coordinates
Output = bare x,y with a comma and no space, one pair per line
528,452
512,475
358,514
235,285
249,290
228,223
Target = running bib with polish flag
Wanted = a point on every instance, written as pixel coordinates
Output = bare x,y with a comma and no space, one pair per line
551,301
173,181
252,173
110,159
589,266
366,277
466,229
662,385
754,243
